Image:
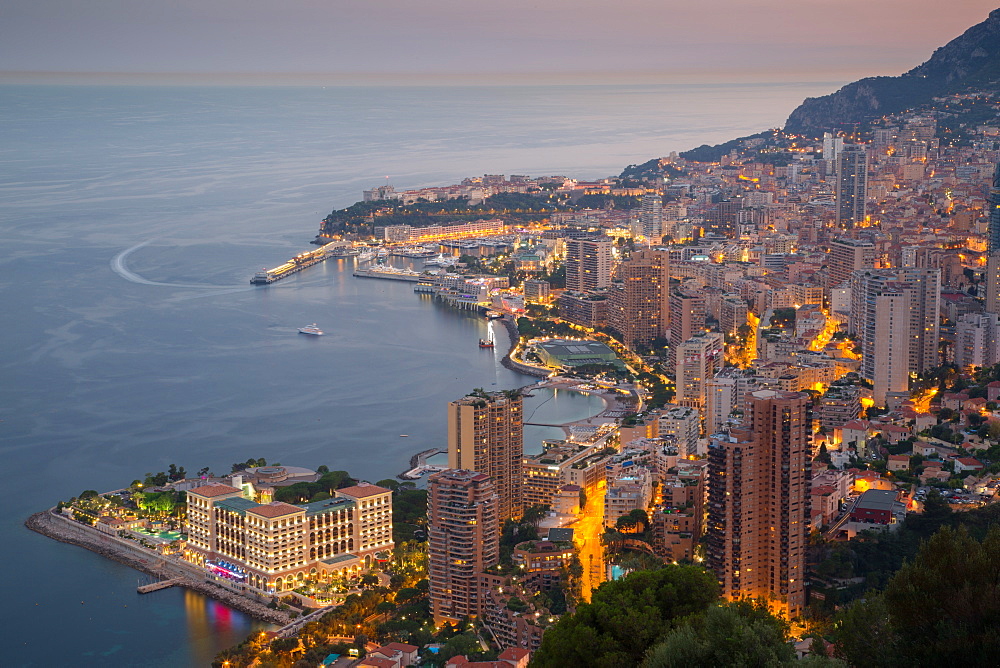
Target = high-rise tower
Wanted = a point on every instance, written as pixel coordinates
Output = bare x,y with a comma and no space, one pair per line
640,305
588,264
463,540
758,500
852,185
486,435
993,248
651,217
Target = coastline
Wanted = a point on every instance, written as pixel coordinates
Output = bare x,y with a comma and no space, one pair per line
67,531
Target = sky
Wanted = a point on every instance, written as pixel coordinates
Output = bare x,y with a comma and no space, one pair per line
501,41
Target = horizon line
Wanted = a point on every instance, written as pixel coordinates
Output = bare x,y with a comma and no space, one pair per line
27,77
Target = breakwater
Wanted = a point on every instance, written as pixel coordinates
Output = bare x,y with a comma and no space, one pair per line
69,531
508,363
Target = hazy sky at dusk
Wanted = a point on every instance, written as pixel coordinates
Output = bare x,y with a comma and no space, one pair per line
639,39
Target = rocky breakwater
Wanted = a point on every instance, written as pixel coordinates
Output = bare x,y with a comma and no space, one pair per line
509,363
66,530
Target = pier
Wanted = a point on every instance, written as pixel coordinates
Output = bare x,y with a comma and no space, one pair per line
300,262
157,586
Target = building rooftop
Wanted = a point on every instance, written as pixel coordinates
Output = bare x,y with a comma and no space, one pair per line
877,499
328,505
275,509
361,491
560,534
213,490
238,505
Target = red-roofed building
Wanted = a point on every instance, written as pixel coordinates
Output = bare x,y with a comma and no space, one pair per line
512,657
400,654
963,464
898,463
376,662
993,391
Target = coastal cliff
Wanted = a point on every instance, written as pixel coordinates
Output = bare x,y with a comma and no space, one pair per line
971,59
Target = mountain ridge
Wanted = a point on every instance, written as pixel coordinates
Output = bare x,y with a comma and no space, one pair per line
972,58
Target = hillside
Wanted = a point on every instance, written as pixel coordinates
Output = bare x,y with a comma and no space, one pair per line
971,59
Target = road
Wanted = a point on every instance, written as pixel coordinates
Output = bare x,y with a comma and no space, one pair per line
587,537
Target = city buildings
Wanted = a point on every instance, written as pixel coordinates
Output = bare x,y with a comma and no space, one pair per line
486,434
463,540
682,424
273,547
588,264
698,359
977,340
846,257
895,313
758,501
640,300
687,318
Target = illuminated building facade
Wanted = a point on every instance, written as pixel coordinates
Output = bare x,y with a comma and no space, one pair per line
463,540
274,547
698,360
993,248
895,312
758,501
846,257
851,185
588,264
486,435
640,304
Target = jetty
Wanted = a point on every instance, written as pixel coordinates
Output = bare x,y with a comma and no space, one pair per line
156,586
300,262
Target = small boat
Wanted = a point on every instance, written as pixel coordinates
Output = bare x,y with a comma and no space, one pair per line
404,435
485,343
311,330
493,315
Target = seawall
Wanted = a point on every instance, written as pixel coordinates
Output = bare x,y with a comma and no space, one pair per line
68,531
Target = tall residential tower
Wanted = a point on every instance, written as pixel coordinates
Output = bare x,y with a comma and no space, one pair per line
758,501
486,435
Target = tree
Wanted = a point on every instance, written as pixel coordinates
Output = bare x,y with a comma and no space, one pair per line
942,608
626,617
743,633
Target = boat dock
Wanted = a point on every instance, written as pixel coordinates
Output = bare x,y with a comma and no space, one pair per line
300,262
156,586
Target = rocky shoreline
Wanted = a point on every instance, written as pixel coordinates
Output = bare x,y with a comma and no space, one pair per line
67,531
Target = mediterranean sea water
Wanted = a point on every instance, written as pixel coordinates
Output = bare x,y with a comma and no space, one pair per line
131,219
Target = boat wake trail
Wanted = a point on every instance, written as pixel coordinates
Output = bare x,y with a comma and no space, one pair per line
119,266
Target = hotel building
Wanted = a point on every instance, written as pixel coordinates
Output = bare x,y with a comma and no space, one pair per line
274,547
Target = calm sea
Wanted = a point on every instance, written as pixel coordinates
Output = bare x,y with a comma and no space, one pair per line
131,219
